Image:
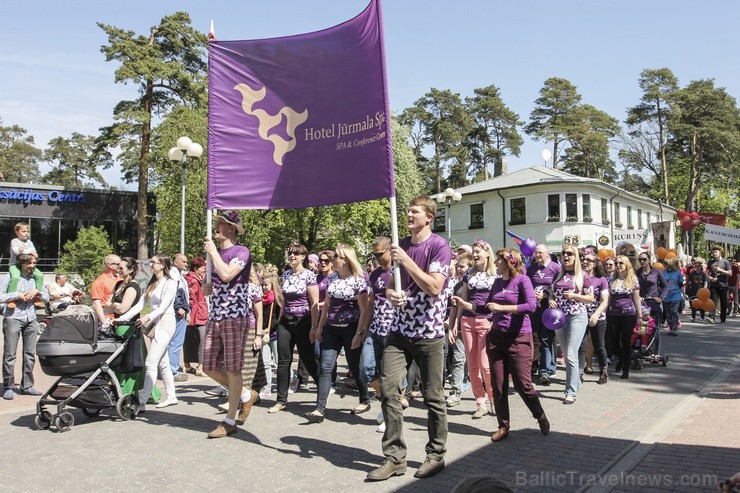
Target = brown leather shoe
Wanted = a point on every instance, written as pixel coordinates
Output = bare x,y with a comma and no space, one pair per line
387,470
429,468
544,424
223,430
246,407
499,434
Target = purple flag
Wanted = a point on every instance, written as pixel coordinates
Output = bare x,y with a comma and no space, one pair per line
300,121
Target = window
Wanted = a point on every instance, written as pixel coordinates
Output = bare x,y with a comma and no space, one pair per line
647,219
586,207
571,207
476,216
518,211
553,208
440,221
630,225
604,211
639,219
617,215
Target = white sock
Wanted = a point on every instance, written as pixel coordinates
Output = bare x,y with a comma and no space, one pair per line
246,395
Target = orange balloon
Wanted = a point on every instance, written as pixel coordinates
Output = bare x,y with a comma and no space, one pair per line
603,254
703,294
658,266
670,255
708,305
696,304
673,250
661,253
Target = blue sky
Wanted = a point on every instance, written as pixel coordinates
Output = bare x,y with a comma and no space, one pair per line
54,80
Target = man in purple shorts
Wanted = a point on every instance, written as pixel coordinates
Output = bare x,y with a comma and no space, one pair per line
227,327
416,335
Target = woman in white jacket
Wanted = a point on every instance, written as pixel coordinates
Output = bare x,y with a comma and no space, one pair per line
160,295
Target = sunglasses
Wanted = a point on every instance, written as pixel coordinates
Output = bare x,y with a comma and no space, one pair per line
641,259
609,264
324,260
295,252
336,256
379,254
568,254
588,260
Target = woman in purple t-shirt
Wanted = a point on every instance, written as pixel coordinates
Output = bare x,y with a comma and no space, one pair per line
625,309
571,295
474,325
344,306
599,283
509,342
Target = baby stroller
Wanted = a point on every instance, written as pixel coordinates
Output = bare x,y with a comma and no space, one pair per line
644,344
73,349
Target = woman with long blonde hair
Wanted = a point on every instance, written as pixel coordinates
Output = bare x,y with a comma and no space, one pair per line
344,306
625,309
474,323
160,295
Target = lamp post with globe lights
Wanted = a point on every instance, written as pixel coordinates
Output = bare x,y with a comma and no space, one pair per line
546,155
448,197
185,148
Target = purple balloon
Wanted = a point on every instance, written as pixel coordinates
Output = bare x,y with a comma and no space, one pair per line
553,318
527,247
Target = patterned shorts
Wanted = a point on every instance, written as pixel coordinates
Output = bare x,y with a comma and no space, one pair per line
223,348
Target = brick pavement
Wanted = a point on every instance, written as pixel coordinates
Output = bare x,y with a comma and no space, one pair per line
672,421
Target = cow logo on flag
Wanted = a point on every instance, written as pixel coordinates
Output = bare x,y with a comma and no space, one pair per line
300,121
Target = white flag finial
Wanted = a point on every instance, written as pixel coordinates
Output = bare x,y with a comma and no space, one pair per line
212,32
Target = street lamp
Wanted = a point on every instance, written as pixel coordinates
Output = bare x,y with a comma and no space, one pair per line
546,155
185,147
449,197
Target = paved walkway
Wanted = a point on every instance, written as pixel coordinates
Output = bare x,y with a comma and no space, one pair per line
665,429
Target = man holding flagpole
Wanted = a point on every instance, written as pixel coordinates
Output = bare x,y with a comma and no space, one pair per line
227,327
417,335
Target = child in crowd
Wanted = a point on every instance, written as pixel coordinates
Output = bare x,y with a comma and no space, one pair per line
22,244
643,330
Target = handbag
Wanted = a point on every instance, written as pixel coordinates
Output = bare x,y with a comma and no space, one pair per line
148,330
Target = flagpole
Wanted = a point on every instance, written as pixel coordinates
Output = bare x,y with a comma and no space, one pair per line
394,240
209,233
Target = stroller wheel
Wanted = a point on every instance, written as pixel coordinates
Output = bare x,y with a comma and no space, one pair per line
665,360
128,406
43,420
91,412
65,421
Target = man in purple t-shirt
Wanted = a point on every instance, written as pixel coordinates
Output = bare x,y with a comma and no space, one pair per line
542,272
417,334
228,321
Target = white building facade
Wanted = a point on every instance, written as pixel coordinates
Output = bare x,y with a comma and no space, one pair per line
554,207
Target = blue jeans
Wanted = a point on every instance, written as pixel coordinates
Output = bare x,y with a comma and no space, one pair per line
333,339
13,330
547,345
175,346
371,356
573,332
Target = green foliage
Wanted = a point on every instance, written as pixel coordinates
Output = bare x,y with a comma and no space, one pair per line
85,254
589,136
18,155
77,163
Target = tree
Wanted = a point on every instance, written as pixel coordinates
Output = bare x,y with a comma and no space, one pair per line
85,254
18,155
494,134
444,123
168,66
77,163
648,122
589,136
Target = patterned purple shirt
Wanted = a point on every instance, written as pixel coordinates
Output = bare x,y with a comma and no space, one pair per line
254,294
380,280
422,316
322,282
479,290
230,299
598,285
620,299
568,283
343,293
295,292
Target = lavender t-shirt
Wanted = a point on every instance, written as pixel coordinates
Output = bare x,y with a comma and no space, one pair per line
254,295
542,278
422,316
380,280
597,285
565,284
344,307
322,282
295,292
231,299
516,291
479,290
620,298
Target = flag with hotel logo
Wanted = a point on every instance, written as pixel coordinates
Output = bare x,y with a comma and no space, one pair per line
300,121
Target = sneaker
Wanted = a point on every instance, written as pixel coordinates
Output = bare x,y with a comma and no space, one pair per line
693,320
709,320
332,390
380,418
361,408
544,380
9,394
170,401
223,408
219,390
453,400
380,428
142,409
415,394
181,377
294,382
31,391
279,406
265,393
223,430
603,377
480,412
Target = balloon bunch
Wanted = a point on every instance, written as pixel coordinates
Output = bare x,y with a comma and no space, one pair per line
703,301
605,253
664,254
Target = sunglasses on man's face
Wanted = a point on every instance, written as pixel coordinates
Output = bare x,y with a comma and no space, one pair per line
379,254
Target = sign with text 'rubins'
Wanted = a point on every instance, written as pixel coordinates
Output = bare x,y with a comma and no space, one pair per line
300,121
721,234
